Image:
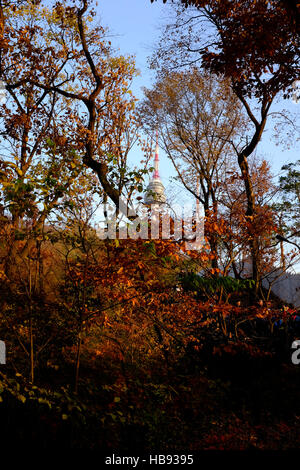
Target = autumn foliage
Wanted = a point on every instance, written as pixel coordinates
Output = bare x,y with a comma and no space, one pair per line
137,344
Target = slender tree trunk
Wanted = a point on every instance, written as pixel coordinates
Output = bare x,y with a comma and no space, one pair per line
77,364
235,271
255,264
250,215
40,268
282,257
31,339
211,237
31,347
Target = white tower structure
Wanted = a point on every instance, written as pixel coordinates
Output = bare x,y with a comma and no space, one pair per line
155,192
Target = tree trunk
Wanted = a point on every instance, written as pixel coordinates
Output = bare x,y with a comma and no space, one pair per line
250,215
211,237
78,358
31,347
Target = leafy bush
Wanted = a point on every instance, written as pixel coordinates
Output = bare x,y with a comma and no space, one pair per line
215,285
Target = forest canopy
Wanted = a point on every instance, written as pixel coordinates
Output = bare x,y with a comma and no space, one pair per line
147,342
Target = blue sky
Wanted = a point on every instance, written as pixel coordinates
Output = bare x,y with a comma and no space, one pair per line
134,25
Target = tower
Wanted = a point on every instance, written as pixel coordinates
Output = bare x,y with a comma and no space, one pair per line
155,192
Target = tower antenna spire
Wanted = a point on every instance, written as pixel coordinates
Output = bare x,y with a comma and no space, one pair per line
155,192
